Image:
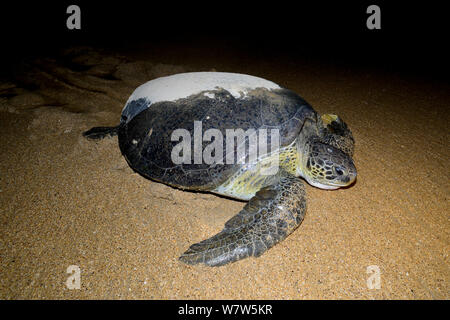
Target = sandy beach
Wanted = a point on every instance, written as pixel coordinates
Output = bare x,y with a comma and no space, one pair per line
67,201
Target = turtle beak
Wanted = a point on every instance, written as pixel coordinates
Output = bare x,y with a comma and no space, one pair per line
345,176
352,173
350,178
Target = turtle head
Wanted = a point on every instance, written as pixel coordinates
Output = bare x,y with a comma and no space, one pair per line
325,166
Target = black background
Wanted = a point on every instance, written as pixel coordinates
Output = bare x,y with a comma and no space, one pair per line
127,309
413,38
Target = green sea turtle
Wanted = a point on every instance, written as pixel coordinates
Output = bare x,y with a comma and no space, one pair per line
299,144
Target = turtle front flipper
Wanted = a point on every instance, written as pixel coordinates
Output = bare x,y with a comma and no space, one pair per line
269,217
98,133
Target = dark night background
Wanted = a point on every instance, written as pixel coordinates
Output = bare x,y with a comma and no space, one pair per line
412,39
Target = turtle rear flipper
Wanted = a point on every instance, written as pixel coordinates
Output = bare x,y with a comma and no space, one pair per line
269,217
98,133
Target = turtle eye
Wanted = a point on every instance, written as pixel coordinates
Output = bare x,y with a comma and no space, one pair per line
339,171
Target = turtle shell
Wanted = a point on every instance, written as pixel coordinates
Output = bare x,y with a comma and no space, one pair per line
148,122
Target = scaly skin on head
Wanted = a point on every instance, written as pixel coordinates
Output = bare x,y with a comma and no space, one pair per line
335,132
327,167
327,148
